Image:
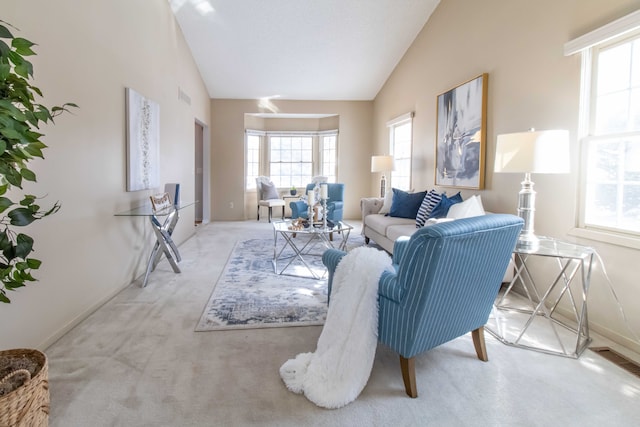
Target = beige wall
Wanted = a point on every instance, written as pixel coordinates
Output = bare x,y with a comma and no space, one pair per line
88,52
227,152
531,84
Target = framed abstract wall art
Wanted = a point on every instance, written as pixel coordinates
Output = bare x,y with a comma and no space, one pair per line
143,142
461,135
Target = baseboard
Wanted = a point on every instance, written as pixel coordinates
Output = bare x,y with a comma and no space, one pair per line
605,332
79,318
616,337
90,310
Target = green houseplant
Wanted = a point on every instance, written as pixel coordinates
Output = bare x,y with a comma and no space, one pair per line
24,392
20,142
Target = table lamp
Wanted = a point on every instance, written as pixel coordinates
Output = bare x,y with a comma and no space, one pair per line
382,164
531,152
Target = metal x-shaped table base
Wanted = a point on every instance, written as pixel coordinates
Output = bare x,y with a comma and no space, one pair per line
323,236
164,244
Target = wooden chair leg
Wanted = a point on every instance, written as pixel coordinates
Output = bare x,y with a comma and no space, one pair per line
478,343
366,240
408,368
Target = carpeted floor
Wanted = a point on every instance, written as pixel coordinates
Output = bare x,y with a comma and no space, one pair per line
138,362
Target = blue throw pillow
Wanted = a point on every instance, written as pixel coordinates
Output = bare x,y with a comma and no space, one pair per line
406,205
442,208
429,202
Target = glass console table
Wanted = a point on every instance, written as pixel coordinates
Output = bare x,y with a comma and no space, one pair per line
527,316
163,231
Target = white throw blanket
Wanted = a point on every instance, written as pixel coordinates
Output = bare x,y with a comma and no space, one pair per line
339,369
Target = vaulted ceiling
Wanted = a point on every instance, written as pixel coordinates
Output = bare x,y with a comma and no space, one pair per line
299,49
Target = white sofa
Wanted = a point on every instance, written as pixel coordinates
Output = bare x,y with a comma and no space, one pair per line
384,230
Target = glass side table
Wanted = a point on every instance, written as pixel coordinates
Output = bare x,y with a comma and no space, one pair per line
163,230
526,313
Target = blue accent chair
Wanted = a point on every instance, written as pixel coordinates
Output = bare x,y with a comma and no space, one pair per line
335,204
446,278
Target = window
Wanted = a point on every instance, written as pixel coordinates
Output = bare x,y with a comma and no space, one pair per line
400,137
253,160
610,134
329,154
612,193
290,158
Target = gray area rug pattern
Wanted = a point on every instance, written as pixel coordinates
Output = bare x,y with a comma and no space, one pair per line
250,295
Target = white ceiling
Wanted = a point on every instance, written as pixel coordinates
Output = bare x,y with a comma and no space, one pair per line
299,49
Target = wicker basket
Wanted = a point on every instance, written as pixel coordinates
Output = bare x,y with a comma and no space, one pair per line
28,405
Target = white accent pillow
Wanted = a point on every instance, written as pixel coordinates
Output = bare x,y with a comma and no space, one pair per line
269,191
466,209
386,205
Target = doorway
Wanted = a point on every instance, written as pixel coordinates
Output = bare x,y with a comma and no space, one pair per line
202,174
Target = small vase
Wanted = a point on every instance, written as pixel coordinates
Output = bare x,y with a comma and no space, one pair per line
293,192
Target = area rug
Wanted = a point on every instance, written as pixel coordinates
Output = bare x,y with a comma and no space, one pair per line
249,295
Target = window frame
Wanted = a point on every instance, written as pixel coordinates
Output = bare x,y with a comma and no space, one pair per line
590,45
317,153
249,181
399,172
290,135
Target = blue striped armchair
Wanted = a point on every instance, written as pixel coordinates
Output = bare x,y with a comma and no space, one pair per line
445,280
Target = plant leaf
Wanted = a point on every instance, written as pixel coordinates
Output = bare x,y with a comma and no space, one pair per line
22,46
33,263
5,203
3,297
5,242
4,70
35,152
5,33
21,217
24,245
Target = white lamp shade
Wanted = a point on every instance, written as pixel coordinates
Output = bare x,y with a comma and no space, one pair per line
544,151
381,163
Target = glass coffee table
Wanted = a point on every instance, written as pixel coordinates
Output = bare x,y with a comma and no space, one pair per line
305,243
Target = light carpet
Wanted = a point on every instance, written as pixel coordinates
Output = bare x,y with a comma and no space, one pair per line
250,295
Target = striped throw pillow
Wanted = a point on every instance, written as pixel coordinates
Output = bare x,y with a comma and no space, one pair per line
430,201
